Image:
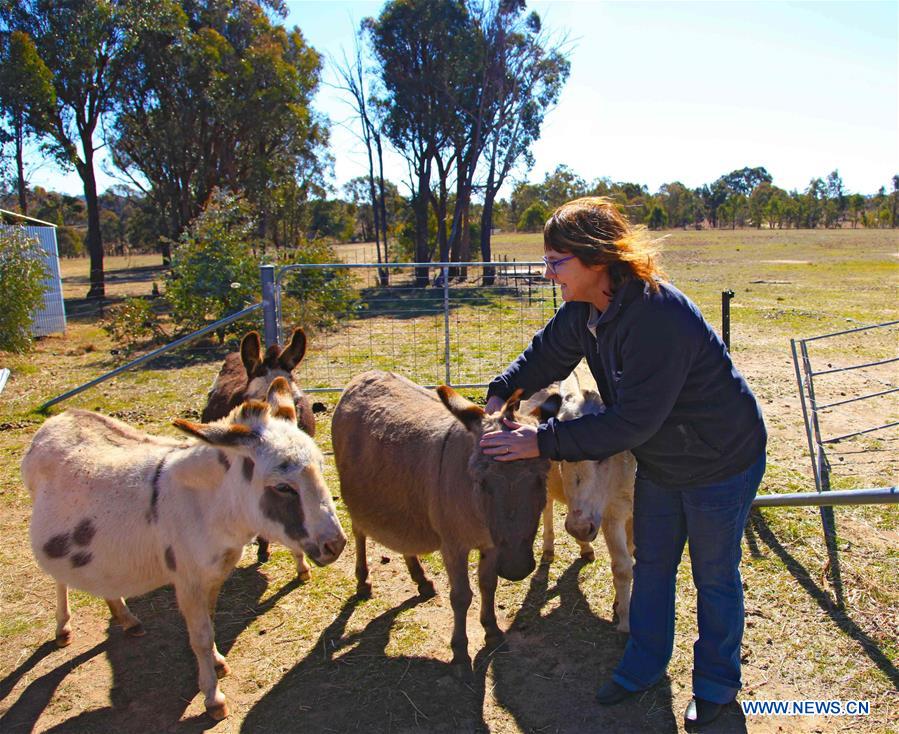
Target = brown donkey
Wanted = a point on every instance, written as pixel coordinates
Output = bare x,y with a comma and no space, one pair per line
413,479
247,375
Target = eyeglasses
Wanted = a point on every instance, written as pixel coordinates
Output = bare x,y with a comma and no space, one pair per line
553,265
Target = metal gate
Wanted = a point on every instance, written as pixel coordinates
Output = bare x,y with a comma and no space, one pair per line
870,381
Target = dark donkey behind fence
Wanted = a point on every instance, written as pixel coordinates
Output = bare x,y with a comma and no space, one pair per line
413,478
247,375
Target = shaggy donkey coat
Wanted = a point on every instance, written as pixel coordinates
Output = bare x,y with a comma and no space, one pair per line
413,479
117,512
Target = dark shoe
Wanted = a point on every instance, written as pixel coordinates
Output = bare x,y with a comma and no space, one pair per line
610,693
701,712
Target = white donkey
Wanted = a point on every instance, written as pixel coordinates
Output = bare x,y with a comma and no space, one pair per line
117,512
599,494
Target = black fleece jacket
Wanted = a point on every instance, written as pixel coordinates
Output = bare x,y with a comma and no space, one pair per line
673,396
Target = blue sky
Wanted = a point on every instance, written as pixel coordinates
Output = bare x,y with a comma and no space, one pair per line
663,91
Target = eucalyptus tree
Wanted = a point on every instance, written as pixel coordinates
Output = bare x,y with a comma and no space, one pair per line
528,71
681,204
80,42
418,46
813,202
357,83
835,205
218,95
466,86
27,98
894,198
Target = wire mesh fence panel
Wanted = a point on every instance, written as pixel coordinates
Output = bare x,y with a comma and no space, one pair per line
458,324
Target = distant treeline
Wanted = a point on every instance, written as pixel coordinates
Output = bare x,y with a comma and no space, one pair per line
742,198
187,99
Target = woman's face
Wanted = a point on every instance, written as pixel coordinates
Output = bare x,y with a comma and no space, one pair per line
578,282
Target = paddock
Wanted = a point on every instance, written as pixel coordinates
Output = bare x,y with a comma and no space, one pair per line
314,659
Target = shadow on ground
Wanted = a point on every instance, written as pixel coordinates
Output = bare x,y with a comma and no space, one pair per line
349,683
154,678
407,302
759,530
558,652
139,274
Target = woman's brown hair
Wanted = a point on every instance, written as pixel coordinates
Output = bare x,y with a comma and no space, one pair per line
597,233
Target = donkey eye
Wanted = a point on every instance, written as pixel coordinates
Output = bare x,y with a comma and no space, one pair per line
285,489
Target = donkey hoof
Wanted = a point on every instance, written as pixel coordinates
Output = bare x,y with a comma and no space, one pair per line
64,638
549,553
462,670
588,556
218,711
135,631
363,590
426,590
304,576
222,669
494,638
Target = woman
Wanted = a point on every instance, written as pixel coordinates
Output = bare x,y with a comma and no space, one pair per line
674,399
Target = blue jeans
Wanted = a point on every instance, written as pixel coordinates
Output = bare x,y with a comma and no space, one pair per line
712,518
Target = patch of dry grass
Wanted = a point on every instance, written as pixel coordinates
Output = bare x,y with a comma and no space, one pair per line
311,657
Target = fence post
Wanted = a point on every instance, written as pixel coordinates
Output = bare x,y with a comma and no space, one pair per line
269,305
725,316
446,324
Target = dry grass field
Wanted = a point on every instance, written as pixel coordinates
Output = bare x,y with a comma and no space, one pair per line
313,658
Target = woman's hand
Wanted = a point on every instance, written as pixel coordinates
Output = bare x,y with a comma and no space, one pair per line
494,404
518,443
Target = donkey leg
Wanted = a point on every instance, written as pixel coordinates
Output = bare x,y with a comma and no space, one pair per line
262,554
363,585
615,532
487,579
587,552
221,664
549,533
456,561
63,625
304,572
194,604
425,585
124,618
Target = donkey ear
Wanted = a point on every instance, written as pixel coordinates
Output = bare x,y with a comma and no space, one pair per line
280,398
251,353
593,398
219,434
514,399
293,353
549,408
570,386
467,412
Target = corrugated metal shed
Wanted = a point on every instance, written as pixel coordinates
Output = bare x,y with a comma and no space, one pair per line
51,318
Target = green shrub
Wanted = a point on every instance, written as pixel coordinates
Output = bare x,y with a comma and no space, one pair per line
316,297
214,271
69,242
23,282
657,218
133,321
533,218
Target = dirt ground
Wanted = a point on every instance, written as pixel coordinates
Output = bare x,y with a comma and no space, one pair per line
314,658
